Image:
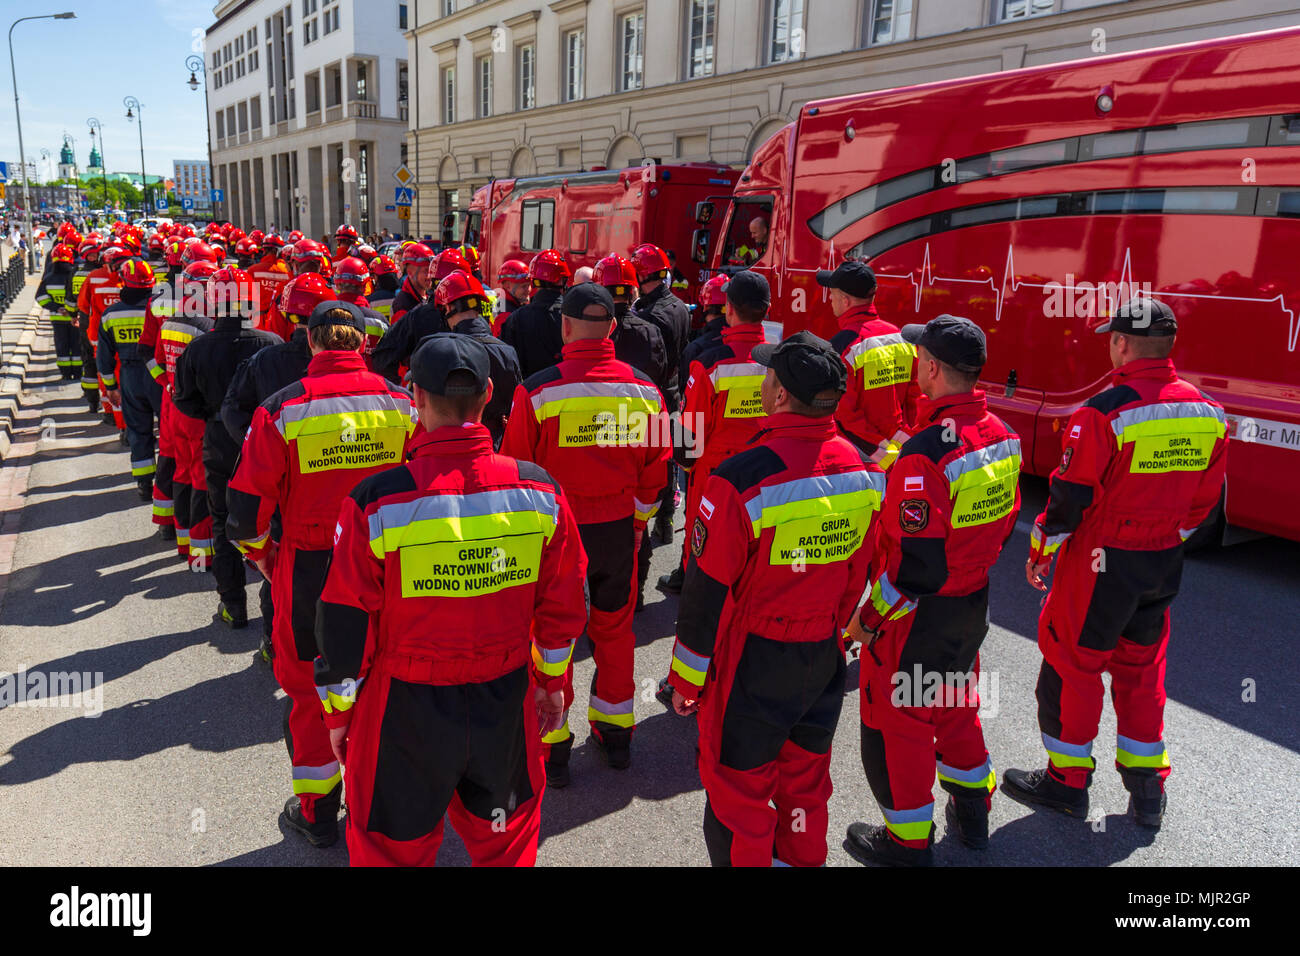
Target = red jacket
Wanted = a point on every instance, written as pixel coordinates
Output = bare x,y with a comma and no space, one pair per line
781,545
1142,466
458,557
880,402
309,444
598,425
721,405
170,340
950,505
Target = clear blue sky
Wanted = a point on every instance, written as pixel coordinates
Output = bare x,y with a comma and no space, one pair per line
69,70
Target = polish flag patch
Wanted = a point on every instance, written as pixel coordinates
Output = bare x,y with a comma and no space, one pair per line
1074,432
706,508
914,483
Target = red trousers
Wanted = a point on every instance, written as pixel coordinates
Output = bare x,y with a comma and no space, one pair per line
1108,611
914,724
611,548
189,487
420,752
296,582
164,480
766,723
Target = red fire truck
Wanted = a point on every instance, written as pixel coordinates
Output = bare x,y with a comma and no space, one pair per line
586,216
1035,201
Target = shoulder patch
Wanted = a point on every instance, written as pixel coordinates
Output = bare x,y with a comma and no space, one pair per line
745,470
1113,398
699,534
913,515
1065,459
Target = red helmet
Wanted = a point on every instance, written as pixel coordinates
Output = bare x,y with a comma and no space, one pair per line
456,286
157,241
346,232
471,255
175,247
286,252
130,241
364,251
305,249
230,291
219,247
73,238
63,253
272,240
137,274
114,256
512,270
549,266
89,250
234,235
351,271
246,247
64,228
303,293
714,292
257,235
415,252
295,235
651,262
383,266
199,271
616,274
448,261
187,231
194,251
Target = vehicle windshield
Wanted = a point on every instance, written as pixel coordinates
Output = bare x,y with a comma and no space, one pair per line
748,229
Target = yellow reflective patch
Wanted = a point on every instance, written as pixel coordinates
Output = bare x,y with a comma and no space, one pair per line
1172,444
470,568
886,365
821,538
744,398
128,330
985,494
603,427
465,529
367,448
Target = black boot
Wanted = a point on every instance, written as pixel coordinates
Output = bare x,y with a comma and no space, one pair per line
672,583
167,532
969,819
665,693
1038,787
615,745
233,614
663,528
1146,801
557,764
122,439
106,418
144,488
868,844
324,832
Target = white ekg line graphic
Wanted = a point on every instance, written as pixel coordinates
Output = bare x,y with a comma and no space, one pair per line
1011,284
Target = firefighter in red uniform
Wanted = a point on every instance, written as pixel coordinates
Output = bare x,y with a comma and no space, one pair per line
879,406
780,549
416,257
950,505
309,444
384,271
449,572
599,426
512,280
351,276
1142,469
345,237
722,407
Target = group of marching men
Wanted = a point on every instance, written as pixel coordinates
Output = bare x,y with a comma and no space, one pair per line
432,551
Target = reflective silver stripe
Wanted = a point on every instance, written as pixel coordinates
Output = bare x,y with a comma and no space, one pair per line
1163,410
316,773
605,707
341,405
694,661
556,656
735,370
1052,745
403,513
1048,542
555,393
978,775
919,815
890,593
875,342
1139,748
815,486
980,457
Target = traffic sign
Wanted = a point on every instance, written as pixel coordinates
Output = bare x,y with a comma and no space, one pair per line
218,195
404,176
403,212
405,195
388,208
4,172
2,190
161,203
187,203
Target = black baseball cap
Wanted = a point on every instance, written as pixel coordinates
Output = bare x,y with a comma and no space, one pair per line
443,353
952,340
328,313
806,365
749,290
587,296
854,278
1142,316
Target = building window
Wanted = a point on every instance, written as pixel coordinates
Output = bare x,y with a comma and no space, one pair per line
573,55
891,21
401,16
239,68
1019,9
701,23
326,18
632,50
255,111
221,124
403,84
483,77
252,60
527,73
362,85
786,26
449,94
448,7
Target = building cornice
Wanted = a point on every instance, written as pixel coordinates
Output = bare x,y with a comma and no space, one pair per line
561,7
524,19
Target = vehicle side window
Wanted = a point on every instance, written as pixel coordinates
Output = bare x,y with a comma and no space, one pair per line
537,225
747,233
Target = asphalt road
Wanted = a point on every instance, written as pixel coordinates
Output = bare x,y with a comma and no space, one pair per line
186,765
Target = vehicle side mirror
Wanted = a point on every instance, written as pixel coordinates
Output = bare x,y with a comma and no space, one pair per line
700,246
703,212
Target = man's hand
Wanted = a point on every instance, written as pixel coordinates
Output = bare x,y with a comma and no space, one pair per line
682,706
550,710
266,563
339,743
1034,572
115,396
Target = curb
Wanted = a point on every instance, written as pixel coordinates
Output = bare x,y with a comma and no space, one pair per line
13,376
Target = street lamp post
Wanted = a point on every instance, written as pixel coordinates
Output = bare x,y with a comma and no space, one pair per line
195,65
131,103
22,156
97,127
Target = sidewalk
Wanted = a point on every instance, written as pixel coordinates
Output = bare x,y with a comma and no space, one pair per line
23,335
